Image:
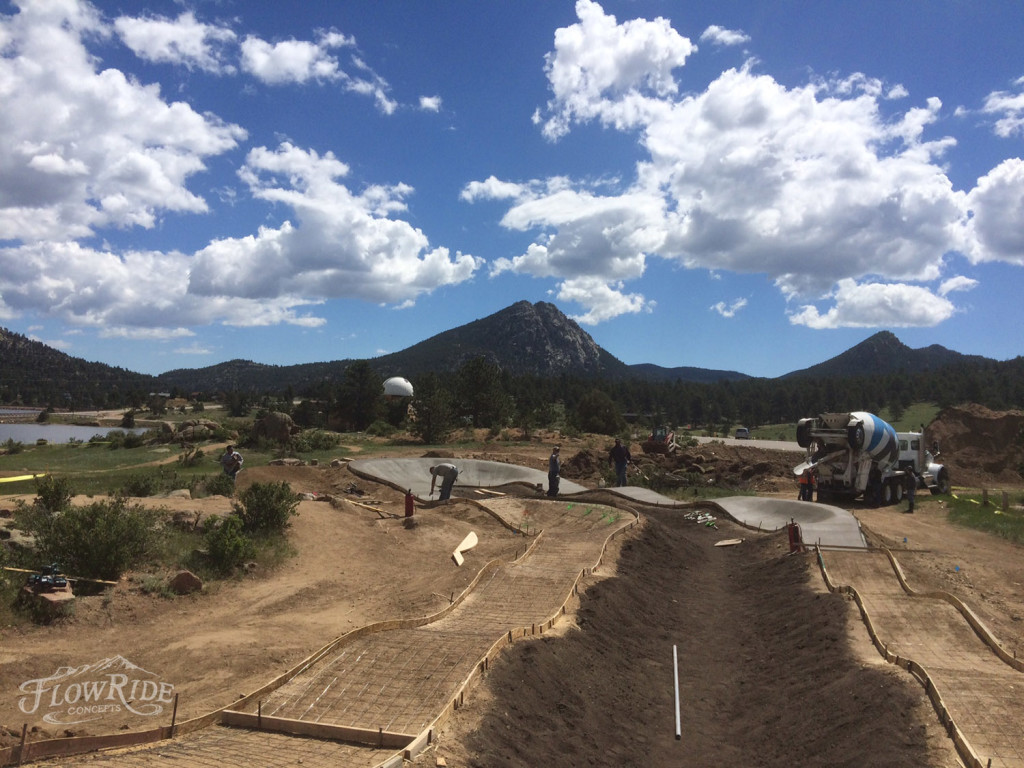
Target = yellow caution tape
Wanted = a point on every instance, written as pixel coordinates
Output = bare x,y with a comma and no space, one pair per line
21,477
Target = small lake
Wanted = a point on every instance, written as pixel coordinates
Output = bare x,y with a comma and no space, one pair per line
52,433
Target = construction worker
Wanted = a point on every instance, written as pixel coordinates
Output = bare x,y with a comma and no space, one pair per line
231,461
911,487
554,468
619,456
448,473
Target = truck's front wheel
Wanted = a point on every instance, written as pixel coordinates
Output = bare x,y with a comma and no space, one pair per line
941,483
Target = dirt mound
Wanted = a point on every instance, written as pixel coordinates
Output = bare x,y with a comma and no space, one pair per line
731,467
585,465
980,447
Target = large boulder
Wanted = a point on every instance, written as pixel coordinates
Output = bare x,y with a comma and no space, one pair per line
185,583
196,430
275,426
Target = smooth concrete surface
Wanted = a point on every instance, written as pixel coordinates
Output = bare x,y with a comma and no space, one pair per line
414,475
820,524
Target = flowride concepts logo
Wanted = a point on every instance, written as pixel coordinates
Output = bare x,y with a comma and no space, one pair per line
81,694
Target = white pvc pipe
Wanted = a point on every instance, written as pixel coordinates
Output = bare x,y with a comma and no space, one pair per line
675,665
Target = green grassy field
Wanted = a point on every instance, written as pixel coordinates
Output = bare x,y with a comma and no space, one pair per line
970,511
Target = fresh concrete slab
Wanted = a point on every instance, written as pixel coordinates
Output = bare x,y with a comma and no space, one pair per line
819,523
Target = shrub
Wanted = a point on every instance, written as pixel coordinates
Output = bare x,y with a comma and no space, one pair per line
316,440
227,544
53,493
218,485
380,428
100,540
140,485
191,456
266,507
13,446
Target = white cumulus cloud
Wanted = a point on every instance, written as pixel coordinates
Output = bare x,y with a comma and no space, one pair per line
82,148
729,310
826,188
342,244
722,36
184,41
872,305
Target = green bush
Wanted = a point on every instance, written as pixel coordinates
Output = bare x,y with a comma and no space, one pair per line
99,541
227,544
381,428
53,493
218,485
141,485
316,440
266,507
13,446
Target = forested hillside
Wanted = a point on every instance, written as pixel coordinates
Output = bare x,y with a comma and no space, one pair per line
32,373
528,365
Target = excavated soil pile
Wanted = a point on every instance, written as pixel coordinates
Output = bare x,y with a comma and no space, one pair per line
980,446
766,674
712,464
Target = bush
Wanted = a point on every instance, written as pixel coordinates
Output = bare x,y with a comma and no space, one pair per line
266,507
100,541
53,494
13,446
381,428
316,440
227,544
218,485
140,485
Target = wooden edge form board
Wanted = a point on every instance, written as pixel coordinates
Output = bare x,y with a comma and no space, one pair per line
467,543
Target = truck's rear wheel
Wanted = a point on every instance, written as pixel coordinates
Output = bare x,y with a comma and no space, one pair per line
886,494
897,491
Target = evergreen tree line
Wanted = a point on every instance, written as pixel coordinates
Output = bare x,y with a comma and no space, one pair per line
479,394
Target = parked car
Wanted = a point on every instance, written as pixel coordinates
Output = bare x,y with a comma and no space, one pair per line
742,433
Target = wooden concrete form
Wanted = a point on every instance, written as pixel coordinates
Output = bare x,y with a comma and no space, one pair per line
425,737
379,738
964,748
407,746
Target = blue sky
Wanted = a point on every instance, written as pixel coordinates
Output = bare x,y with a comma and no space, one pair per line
737,185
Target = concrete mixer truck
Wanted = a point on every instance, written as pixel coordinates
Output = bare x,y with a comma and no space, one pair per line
858,454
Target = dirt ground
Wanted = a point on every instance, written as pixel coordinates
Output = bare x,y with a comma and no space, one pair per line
773,669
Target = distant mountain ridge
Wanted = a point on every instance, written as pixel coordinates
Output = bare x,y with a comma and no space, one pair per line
522,339
883,354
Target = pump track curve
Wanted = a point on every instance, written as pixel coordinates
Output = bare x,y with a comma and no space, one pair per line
377,695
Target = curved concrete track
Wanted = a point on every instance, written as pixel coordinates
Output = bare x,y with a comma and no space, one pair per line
414,475
402,681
